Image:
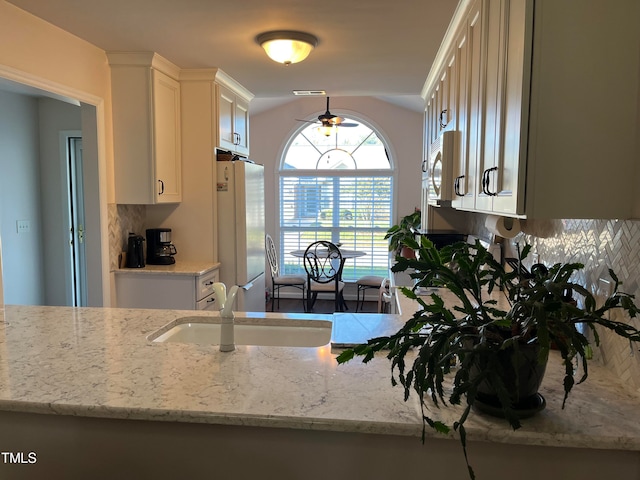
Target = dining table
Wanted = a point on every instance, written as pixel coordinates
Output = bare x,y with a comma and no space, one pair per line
346,255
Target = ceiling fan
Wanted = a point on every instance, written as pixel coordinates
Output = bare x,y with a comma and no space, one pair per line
327,120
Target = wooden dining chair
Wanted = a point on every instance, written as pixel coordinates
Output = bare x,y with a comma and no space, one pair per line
323,264
280,281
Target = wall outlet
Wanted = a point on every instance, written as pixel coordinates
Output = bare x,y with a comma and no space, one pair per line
23,226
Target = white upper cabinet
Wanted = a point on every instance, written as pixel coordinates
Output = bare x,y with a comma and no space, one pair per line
546,97
468,87
232,114
227,109
146,129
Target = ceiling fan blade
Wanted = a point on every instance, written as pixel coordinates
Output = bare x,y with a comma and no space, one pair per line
341,122
307,121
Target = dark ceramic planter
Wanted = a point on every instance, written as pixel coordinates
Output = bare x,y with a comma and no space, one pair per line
522,376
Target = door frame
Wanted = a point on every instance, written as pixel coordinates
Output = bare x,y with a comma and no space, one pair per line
93,129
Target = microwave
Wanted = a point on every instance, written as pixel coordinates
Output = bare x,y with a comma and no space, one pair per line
443,154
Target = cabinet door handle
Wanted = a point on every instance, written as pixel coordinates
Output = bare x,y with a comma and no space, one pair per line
484,182
236,138
424,166
211,300
209,283
456,186
442,122
161,187
486,179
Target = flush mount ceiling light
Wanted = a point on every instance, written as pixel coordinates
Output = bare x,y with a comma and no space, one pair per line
286,46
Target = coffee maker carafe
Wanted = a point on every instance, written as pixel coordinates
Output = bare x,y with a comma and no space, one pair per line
160,250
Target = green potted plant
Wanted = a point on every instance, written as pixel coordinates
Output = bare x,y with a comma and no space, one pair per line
489,356
402,236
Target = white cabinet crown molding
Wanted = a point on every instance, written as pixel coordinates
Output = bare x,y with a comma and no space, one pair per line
459,17
144,59
216,75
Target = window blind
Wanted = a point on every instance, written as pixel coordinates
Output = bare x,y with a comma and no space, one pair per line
354,211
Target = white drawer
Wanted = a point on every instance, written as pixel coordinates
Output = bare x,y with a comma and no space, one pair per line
207,303
204,284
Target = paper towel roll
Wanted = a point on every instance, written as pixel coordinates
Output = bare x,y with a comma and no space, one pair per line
505,227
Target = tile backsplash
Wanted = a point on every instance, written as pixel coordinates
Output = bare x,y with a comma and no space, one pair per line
122,220
599,245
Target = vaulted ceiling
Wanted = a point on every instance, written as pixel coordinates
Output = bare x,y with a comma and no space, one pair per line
377,48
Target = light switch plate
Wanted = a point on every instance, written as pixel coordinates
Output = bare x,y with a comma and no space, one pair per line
23,226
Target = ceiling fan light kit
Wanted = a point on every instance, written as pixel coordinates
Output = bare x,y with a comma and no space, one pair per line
327,129
287,47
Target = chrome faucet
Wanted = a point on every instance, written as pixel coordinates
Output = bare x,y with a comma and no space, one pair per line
227,341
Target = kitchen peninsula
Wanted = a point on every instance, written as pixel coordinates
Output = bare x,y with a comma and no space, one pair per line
93,398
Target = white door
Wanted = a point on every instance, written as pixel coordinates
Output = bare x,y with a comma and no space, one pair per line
77,223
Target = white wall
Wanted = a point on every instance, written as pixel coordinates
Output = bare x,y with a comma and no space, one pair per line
40,55
54,117
401,128
33,187
96,236
1,286
20,199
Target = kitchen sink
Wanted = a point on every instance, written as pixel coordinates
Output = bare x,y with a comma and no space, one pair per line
261,330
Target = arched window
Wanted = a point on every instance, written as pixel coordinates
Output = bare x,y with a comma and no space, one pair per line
336,187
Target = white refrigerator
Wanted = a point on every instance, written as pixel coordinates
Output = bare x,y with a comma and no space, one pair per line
241,250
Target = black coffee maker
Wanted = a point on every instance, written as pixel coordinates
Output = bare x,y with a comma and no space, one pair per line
160,250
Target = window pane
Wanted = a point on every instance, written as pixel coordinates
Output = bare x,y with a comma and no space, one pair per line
352,211
345,148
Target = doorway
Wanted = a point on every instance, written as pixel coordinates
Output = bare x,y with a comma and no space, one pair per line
38,169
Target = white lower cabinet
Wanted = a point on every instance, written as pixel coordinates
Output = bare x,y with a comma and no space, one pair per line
166,290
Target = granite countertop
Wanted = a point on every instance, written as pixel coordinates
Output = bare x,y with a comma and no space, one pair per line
178,268
98,362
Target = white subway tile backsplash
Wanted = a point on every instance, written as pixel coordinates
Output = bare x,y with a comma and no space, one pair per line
599,245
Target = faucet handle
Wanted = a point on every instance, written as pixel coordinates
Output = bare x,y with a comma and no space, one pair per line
220,292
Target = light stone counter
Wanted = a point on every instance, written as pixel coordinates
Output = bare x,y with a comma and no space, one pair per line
92,362
178,268
98,363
